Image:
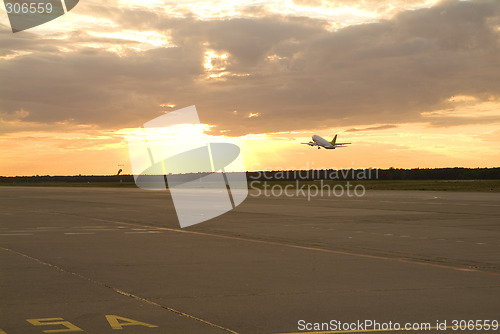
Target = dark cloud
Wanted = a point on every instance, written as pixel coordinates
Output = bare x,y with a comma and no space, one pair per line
290,70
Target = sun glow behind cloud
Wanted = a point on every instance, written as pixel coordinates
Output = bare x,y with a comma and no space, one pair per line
461,131
337,13
405,146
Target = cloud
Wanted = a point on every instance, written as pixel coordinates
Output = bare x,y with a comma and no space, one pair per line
292,71
457,121
309,3
371,128
493,136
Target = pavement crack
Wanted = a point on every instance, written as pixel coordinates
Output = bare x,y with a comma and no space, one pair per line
119,291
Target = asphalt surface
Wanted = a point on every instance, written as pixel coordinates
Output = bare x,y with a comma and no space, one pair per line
99,260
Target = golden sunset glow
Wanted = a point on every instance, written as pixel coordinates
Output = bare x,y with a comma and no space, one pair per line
408,83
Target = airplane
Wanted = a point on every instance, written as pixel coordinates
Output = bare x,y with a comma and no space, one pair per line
322,142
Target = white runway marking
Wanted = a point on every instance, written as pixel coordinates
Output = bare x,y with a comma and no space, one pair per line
143,232
73,233
102,229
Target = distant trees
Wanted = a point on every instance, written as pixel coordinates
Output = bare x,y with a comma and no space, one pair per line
456,173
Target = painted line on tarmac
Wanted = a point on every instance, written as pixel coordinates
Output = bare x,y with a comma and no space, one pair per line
143,232
78,233
122,292
98,229
317,249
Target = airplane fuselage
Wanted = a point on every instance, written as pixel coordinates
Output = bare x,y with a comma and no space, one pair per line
320,141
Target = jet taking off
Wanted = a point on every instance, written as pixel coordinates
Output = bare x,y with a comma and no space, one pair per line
322,142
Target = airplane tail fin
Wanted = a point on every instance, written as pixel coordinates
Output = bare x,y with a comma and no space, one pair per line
334,140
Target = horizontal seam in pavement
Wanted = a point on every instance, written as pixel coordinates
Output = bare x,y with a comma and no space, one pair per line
128,294
317,249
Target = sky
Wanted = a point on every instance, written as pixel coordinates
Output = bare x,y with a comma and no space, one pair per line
410,83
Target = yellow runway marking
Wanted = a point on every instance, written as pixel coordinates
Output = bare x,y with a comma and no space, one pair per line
317,249
275,243
78,233
55,322
115,324
128,294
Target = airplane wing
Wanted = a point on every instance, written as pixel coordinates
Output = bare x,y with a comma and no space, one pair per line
310,144
340,144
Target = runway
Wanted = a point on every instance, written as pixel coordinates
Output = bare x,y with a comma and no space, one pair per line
97,260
